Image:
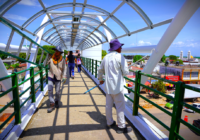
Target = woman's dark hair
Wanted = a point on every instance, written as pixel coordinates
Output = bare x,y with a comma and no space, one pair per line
70,53
79,55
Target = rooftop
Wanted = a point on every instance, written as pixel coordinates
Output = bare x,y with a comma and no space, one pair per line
185,67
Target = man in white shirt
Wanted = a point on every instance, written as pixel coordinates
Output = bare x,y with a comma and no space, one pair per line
115,67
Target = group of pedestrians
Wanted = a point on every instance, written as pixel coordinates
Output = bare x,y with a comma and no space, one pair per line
72,62
113,66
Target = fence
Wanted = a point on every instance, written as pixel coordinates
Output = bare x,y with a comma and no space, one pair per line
14,76
178,99
16,94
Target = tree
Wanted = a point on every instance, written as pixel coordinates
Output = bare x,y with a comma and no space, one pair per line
22,55
172,57
48,48
180,61
163,58
65,52
137,57
3,56
159,86
104,53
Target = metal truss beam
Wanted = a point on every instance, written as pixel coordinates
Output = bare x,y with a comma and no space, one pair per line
83,24
41,3
60,31
65,37
61,17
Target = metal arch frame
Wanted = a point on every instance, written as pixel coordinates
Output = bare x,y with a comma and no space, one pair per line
70,36
82,24
60,17
85,45
7,5
72,32
80,36
53,39
88,41
140,12
111,14
49,17
31,19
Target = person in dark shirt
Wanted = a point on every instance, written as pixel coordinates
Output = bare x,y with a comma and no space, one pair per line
71,58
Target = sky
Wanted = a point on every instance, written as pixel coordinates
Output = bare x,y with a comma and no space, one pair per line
157,10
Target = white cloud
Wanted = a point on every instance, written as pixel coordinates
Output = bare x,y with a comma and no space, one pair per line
142,43
29,2
16,17
179,43
187,43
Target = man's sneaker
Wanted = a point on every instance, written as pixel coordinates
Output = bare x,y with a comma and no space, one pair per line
72,77
112,125
124,130
56,104
51,108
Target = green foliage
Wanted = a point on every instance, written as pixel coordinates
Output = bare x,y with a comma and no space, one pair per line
22,55
163,58
38,59
137,57
180,61
48,48
3,56
65,52
160,86
104,53
172,57
5,64
15,65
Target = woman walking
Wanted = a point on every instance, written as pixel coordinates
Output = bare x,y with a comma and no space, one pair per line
71,63
78,62
56,72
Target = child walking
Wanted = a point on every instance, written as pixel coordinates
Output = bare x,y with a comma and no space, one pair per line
78,62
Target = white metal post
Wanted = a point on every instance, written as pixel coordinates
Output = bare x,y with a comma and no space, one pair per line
185,13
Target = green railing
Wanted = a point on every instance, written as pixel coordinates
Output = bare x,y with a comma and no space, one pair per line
17,95
178,100
14,76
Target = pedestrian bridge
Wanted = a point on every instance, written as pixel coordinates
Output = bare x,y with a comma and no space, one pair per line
24,103
80,116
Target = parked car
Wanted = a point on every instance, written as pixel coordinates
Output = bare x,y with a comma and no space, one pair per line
196,105
169,105
196,123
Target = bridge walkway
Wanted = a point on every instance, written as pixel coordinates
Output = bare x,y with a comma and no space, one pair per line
79,117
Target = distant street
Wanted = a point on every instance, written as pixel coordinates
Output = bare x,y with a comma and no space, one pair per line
185,132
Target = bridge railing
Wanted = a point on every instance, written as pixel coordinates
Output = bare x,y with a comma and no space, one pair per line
91,65
16,95
14,76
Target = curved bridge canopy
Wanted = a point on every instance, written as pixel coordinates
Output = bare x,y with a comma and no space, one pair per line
82,28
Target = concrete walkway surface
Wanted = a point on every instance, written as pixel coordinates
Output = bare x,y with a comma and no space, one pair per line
79,117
